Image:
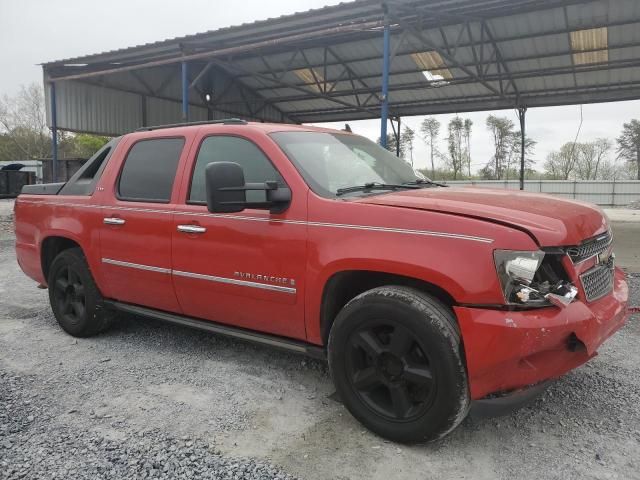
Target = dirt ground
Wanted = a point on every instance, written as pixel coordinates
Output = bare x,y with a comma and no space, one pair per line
146,398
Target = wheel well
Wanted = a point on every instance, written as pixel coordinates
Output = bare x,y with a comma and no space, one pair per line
51,247
344,286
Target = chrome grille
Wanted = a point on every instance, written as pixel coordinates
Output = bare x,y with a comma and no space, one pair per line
598,281
590,247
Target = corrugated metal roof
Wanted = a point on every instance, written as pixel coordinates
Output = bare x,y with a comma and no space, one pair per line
325,64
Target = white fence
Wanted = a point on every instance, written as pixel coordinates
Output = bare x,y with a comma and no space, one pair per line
600,192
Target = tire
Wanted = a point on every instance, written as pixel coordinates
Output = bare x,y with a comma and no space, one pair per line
75,299
396,362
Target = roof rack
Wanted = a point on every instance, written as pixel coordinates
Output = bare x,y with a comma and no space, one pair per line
224,121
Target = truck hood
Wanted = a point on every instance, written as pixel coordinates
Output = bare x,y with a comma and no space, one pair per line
552,221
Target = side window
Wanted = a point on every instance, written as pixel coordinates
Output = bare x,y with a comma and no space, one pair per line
220,148
149,170
84,181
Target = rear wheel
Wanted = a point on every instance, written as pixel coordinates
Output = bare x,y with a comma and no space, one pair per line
74,296
394,355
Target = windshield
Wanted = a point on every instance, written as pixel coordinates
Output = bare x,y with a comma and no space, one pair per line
333,161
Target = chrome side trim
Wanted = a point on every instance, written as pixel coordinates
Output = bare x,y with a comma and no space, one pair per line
233,281
149,268
201,276
373,228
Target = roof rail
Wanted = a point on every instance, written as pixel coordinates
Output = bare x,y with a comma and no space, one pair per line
224,121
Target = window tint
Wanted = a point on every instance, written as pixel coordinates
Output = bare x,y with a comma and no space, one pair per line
150,169
219,148
84,181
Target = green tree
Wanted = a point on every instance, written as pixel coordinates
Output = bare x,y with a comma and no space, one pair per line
24,134
590,157
85,145
457,155
392,144
408,136
467,141
514,154
629,144
501,129
23,124
560,165
430,128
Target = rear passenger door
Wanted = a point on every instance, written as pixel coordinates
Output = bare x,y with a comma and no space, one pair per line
135,237
246,269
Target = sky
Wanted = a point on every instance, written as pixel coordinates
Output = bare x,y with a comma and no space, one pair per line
37,31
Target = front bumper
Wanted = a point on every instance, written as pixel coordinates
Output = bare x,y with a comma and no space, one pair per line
508,350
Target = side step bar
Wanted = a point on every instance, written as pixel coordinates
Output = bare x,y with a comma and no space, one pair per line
239,333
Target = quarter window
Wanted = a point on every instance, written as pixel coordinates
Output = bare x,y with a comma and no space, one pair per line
220,148
149,170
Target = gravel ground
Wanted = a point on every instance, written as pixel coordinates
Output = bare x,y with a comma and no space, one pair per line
148,400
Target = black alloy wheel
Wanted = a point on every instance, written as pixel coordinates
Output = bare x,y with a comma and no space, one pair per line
397,362
75,299
391,371
69,294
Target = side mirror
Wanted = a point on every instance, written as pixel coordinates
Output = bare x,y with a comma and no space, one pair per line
224,183
226,190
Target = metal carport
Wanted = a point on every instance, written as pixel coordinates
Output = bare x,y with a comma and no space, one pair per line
359,60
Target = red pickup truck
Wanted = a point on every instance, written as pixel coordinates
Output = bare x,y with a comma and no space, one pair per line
423,298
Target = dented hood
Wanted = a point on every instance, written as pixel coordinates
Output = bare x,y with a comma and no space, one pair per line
551,220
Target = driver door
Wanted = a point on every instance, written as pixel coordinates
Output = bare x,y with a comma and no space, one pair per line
244,269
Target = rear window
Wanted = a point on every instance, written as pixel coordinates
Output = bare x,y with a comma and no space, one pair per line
149,170
84,181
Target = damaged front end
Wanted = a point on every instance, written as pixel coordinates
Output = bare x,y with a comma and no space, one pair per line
534,278
558,309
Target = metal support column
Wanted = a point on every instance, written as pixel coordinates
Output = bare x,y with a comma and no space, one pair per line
54,133
521,116
185,92
398,139
384,113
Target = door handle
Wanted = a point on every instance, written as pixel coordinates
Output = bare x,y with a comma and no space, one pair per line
113,221
191,229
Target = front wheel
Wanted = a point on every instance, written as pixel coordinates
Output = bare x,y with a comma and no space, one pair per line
395,358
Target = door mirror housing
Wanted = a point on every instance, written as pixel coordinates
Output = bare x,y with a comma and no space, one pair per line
226,190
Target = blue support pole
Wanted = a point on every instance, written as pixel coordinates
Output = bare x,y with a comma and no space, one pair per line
384,114
185,92
54,134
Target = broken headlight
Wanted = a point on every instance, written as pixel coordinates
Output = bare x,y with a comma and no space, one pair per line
533,279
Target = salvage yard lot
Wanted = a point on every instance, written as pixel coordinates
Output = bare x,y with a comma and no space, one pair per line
148,399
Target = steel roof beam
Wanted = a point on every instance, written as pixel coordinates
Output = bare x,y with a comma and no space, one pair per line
531,74
498,55
336,30
231,67
498,41
242,89
535,98
489,63
142,82
353,76
453,62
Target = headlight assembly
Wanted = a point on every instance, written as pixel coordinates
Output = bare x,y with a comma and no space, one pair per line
528,280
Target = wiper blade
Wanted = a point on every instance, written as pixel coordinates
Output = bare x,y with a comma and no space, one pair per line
424,181
374,186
